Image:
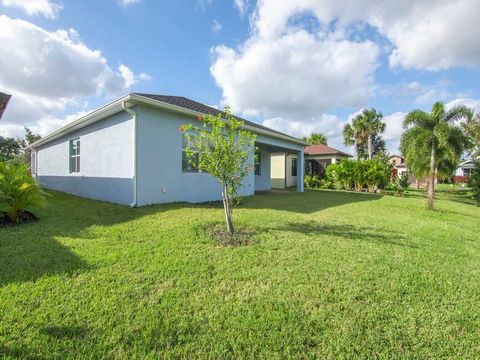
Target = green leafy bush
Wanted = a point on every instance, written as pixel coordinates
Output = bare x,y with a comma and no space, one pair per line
312,182
18,191
356,174
474,182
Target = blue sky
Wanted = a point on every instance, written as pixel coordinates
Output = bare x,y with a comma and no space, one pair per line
298,66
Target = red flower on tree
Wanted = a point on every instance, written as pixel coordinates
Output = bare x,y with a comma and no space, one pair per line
181,128
199,117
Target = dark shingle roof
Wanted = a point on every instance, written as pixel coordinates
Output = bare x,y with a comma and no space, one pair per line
323,150
189,104
4,98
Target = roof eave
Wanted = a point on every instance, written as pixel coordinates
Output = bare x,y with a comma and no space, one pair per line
182,110
116,106
94,116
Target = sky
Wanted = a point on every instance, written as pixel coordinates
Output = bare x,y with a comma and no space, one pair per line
296,66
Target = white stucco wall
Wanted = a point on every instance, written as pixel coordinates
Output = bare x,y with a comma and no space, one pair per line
106,161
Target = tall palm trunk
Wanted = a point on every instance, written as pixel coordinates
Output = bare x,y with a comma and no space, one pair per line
357,151
431,177
370,146
227,210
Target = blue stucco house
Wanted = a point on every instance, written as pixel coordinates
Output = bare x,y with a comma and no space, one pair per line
131,152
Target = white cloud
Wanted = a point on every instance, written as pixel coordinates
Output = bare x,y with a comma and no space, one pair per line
472,103
216,26
128,2
330,125
47,8
294,74
63,72
241,6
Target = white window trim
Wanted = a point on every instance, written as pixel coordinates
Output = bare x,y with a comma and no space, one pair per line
70,157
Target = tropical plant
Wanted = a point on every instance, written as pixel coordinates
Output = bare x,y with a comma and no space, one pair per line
316,139
312,181
18,190
375,174
474,182
401,185
430,137
358,170
221,148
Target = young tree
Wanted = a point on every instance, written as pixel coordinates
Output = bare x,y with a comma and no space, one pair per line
431,137
221,148
316,139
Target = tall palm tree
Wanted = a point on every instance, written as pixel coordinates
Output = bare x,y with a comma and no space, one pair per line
316,139
371,121
354,134
432,138
364,130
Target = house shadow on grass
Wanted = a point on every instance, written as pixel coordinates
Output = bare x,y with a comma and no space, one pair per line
374,235
31,251
308,202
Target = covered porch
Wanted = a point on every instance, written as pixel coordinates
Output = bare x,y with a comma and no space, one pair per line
278,166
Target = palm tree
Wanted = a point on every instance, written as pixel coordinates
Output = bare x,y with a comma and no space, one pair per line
432,138
316,139
371,121
354,134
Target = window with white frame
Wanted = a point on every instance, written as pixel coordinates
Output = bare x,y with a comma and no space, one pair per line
187,166
75,155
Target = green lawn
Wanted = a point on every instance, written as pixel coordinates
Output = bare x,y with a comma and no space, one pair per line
332,275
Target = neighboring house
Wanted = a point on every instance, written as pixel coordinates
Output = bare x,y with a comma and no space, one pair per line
4,99
399,168
463,171
317,159
398,165
131,152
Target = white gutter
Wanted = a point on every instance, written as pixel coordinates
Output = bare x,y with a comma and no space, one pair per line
134,179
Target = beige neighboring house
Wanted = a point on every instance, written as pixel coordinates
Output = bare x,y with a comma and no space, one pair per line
399,167
283,169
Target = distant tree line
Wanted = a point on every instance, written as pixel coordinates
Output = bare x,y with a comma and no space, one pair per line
16,149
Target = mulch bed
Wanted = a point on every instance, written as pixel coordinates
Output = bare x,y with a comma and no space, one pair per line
241,236
25,218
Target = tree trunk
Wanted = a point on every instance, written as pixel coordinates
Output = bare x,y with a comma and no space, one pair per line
370,147
357,151
431,178
227,210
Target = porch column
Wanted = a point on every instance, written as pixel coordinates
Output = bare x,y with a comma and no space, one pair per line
300,169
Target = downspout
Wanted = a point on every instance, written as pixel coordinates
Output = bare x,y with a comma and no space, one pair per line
286,170
134,119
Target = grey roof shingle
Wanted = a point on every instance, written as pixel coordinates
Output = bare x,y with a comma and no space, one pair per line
189,104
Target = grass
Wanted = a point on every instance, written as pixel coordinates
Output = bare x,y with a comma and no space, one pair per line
331,275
